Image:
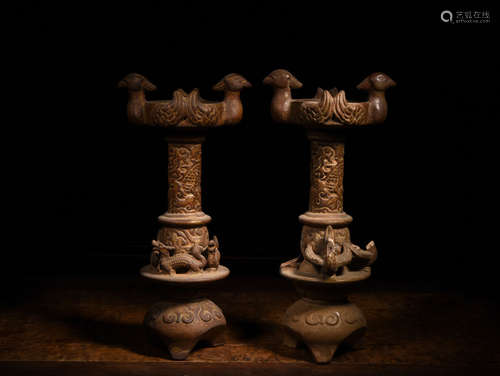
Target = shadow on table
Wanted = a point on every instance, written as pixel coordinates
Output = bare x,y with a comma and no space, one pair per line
132,337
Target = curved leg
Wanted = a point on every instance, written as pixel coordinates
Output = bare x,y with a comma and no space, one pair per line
179,350
215,337
290,340
322,353
355,336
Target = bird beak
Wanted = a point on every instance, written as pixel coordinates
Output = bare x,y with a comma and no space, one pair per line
219,86
392,83
148,86
247,84
294,83
122,84
364,85
267,80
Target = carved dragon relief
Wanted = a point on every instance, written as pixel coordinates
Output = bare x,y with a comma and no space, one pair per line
185,257
184,110
328,107
327,252
184,178
182,239
327,169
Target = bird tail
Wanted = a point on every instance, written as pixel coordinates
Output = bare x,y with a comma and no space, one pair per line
290,263
362,258
320,111
326,104
198,112
180,101
171,112
193,107
180,93
342,109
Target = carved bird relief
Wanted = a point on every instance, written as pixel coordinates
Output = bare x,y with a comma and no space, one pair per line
185,110
229,111
361,257
317,112
334,256
325,256
282,81
202,112
169,112
136,84
213,254
285,109
374,111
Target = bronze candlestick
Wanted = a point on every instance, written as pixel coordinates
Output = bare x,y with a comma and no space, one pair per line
329,263
183,256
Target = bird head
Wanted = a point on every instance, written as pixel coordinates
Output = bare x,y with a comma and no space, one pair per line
210,247
281,78
376,81
232,82
196,250
136,82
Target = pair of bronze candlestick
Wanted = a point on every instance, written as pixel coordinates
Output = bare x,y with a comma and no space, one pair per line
185,258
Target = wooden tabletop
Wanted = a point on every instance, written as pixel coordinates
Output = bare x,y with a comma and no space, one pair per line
83,325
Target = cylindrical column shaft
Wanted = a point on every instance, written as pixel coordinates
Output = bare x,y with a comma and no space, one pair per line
184,177
327,174
183,225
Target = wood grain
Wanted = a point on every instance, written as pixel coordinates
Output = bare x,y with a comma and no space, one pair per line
63,325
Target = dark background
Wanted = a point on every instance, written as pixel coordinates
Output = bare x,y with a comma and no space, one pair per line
88,185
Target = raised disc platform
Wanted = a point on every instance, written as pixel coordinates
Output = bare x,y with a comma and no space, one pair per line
202,277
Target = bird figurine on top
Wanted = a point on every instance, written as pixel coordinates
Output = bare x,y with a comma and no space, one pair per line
374,111
328,107
184,110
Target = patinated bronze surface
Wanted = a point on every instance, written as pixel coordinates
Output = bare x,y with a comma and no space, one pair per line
183,255
329,262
